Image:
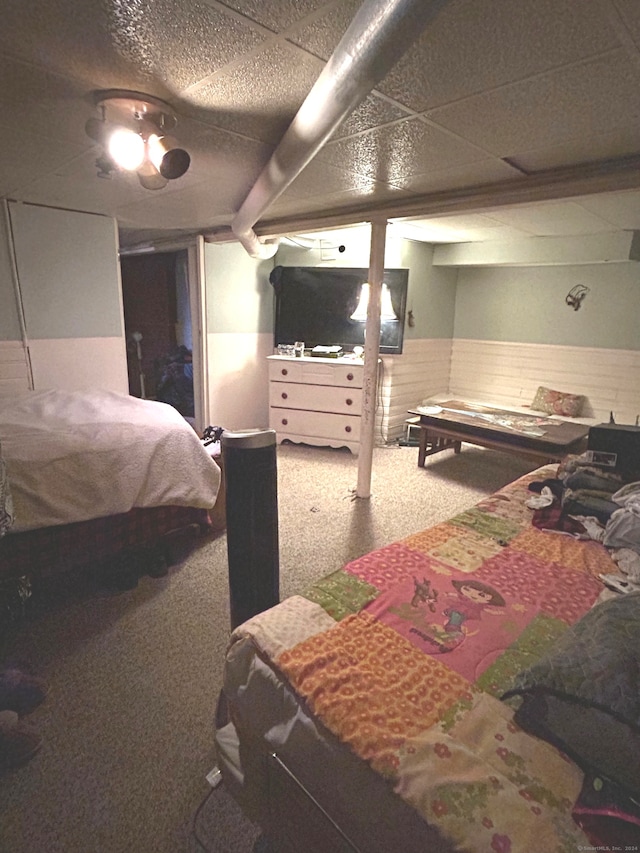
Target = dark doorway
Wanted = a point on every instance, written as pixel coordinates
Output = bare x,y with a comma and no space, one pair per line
157,320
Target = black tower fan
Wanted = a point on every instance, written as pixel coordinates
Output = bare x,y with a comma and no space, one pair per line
251,483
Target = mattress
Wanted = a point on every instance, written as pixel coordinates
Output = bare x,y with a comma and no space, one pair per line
380,688
75,456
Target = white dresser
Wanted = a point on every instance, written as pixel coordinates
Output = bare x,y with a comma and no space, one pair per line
316,400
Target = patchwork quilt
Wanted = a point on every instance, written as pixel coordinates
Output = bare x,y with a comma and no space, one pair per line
405,653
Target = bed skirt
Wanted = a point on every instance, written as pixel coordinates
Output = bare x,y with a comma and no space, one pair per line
50,550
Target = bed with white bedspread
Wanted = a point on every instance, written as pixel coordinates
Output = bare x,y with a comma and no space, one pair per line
76,458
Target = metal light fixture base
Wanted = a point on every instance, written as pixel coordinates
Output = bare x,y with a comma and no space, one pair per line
135,107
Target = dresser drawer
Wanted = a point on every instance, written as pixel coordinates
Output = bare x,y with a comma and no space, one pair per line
313,371
315,398
315,424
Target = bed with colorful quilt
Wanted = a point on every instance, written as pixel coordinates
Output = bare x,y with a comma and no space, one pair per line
102,479
436,695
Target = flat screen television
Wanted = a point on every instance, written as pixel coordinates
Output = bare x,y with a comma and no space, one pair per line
315,304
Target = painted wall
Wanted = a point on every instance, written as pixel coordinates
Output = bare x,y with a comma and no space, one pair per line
239,319
432,293
527,304
514,332
69,282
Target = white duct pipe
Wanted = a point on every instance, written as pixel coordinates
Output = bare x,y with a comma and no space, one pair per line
381,32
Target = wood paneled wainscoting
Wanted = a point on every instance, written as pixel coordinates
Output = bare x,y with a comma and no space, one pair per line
406,380
14,368
508,375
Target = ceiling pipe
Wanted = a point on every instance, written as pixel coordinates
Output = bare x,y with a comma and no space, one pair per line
380,33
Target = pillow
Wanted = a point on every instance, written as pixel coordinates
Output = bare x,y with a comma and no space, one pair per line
557,402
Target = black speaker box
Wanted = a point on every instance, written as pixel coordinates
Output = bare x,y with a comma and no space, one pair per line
622,440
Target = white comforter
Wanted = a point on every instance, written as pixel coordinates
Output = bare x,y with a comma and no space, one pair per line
73,456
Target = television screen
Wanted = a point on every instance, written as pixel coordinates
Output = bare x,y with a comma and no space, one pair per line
316,304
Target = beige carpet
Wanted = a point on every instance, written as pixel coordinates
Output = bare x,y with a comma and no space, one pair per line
128,725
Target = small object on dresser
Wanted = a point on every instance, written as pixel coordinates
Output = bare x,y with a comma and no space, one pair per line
286,349
298,349
327,352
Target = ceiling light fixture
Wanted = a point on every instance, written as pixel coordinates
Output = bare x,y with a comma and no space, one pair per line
133,132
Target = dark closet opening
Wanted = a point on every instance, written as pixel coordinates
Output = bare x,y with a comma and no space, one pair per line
158,329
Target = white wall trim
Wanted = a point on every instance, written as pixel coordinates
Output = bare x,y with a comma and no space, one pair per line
420,372
508,374
14,368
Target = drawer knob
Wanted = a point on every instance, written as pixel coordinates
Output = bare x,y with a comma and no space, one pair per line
284,422
349,402
347,429
284,395
284,371
349,376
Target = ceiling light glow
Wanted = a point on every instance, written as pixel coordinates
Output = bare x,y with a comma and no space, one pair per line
126,149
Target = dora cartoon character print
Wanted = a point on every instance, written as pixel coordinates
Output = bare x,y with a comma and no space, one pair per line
472,598
440,614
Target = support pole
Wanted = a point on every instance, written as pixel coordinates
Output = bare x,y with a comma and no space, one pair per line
371,356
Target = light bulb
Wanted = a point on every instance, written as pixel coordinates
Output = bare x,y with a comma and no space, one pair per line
155,150
126,149
149,177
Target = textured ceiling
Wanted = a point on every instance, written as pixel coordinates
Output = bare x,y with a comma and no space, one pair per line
496,92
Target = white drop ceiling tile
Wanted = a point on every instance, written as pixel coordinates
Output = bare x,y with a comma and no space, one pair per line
277,15
468,175
621,142
103,44
188,42
450,231
24,159
260,96
352,199
323,34
554,219
474,45
76,185
620,209
41,103
580,101
199,207
393,154
630,13
218,153
158,48
372,112
319,178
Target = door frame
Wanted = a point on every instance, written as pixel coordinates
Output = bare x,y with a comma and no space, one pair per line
196,283
198,304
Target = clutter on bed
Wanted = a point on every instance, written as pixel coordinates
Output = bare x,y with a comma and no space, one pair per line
583,694
94,474
380,690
